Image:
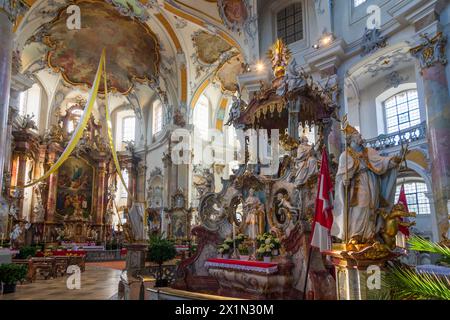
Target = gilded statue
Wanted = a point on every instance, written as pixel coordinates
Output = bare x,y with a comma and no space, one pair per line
280,56
365,182
392,223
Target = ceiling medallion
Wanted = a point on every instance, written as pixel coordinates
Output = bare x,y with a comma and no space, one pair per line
132,49
234,13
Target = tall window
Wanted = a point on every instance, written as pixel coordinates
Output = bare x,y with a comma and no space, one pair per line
415,196
123,191
157,117
201,117
290,23
128,128
357,3
402,111
30,102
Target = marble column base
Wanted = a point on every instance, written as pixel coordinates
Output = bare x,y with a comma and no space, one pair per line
356,280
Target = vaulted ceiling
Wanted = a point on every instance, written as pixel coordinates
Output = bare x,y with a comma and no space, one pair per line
167,47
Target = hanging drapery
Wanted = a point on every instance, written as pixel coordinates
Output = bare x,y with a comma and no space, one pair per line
80,127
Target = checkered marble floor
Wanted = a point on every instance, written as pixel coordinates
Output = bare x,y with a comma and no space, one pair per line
97,283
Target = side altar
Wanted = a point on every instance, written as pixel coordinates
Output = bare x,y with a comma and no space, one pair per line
72,204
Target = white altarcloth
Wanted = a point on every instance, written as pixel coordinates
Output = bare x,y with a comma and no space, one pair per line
368,181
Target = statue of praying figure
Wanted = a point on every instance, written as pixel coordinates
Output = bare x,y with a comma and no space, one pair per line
253,208
370,179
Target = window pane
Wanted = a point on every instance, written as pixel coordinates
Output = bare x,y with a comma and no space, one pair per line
157,117
128,129
290,23
402,110
201,117
415,197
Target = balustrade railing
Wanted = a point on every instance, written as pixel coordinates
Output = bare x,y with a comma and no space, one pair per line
403,137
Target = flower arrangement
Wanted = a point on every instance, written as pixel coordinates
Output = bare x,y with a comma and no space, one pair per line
268,245
226,247
243,250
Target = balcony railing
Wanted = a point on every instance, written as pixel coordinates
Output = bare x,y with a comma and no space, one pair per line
417,133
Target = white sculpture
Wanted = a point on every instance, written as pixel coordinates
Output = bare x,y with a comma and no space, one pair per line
306,162
371,180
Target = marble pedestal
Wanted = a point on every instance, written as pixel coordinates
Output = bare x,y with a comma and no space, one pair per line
130,281
358,279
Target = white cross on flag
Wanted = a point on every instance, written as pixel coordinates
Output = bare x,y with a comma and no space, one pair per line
323,218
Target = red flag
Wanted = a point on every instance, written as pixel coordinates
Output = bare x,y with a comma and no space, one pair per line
323,218
402,200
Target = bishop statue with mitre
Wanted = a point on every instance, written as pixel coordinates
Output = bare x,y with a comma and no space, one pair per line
365,182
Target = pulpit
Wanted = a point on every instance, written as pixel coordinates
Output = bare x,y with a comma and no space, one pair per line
252,279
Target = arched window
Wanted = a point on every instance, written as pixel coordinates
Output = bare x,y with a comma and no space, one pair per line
157,117
290,23
201,117
415,192
128,128
124,128
402,111
30,102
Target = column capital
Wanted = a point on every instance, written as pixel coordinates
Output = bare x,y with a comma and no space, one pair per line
13,8
431,51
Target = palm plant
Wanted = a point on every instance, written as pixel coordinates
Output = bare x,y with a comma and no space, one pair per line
407,284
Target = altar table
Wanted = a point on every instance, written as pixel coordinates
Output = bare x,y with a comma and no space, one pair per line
60,253
251,279
231,264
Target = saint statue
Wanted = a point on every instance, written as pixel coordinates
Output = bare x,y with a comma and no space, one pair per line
253,208
306,162
370,180
235,111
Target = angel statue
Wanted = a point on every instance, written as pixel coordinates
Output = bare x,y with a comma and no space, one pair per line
365,182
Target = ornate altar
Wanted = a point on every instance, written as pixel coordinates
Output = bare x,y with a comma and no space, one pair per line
281,201
71,204
179,222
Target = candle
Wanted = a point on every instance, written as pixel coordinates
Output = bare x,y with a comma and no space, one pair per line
234,237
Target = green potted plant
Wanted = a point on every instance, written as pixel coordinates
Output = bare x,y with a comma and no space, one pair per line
161,250
243,252
27,252
10,274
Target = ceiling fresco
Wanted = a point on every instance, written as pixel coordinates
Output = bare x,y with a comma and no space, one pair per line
226,74
132,48
209,47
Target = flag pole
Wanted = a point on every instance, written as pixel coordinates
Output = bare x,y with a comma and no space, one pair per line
308,265
345,122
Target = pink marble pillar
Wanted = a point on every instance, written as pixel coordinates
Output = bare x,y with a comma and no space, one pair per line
101,192
21,178
131,183
6,49
52,188
438,124
432,58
